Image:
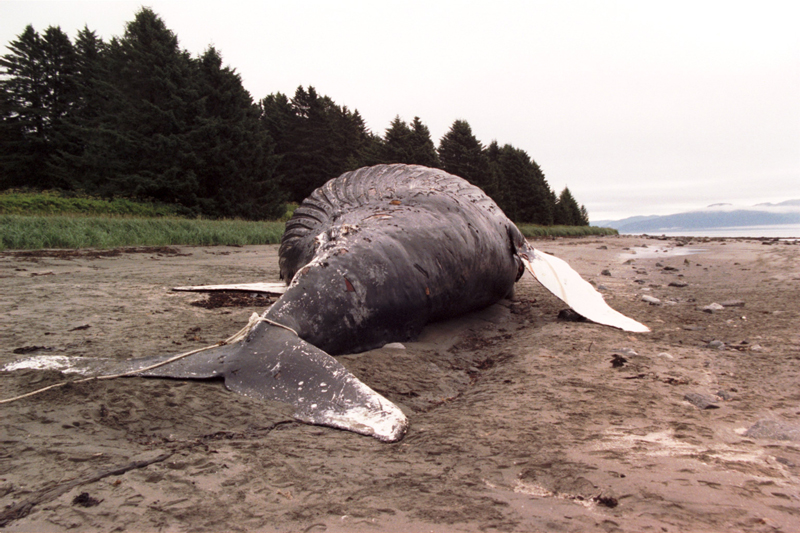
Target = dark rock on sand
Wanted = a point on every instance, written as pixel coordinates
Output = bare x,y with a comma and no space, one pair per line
700,401
774,429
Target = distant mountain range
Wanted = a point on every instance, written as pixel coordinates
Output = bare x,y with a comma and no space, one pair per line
714,216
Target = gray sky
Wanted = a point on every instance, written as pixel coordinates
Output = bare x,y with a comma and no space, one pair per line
640,107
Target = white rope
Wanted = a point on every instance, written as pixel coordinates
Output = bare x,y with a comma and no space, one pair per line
236,337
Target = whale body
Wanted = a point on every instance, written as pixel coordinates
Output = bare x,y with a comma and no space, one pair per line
370,258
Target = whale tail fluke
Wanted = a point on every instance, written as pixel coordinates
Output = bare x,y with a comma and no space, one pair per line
273,364
270,363
563,281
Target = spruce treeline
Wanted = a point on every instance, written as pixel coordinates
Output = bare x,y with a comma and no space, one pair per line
138,117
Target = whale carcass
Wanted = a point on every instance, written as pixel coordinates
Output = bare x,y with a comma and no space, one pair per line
370,258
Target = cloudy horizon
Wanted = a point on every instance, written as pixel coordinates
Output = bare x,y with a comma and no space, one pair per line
640,108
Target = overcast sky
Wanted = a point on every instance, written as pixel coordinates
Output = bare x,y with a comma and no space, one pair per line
639,107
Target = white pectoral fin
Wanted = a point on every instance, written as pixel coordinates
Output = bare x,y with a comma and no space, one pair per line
268,288
562,280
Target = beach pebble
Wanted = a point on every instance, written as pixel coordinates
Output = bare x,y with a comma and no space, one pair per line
605,272
678,284
395,346
570,316
652,300
774,429
732,303
618,361
84,500
693,327
665,355
717,345
724,395
700,401
713,307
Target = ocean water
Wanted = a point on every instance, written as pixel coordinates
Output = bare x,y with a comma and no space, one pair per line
783,231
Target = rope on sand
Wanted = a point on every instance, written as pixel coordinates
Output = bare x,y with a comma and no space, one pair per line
236,337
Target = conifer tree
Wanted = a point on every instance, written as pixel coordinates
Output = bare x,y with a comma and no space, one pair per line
59,66
409,144
152,114
461,153
81,155
503,195
584,216
369,153
567,211
423,149
397,143
233,151
38,92
525,195
546,198
316,139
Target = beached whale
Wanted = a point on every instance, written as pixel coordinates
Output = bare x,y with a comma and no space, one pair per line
370,258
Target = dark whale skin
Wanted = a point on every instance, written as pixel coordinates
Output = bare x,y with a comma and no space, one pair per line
377,253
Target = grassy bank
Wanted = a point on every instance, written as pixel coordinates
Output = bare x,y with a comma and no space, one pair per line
34,232
26,232
30,221
52,203
533,231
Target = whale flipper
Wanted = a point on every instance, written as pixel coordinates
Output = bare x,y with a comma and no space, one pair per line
263,287
563,281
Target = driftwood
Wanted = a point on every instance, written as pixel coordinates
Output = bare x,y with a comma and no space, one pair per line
24,508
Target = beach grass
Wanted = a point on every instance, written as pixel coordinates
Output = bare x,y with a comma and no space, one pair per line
30,232
37,220
534,231
25,232
48,203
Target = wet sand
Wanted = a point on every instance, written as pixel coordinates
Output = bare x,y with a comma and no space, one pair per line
520,421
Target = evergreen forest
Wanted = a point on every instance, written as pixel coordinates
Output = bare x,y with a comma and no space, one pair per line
140,118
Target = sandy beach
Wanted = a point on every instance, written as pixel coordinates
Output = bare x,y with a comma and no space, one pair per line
520,420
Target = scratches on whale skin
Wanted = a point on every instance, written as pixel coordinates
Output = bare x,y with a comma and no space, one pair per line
377,216
348,286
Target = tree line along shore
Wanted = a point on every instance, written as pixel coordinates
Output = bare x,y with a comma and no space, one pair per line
138,117
137,127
